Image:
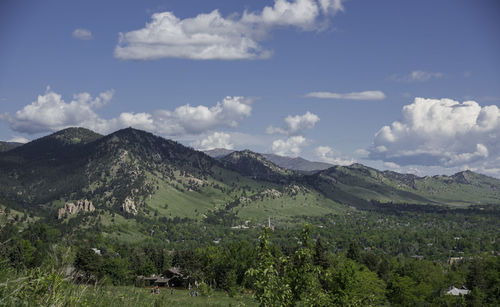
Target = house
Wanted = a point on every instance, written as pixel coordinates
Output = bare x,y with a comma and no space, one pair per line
457,291
452,260
173,277
161,282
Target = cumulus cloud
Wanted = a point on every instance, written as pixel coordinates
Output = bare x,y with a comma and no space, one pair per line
366,95
51,113
331,6
295,124
417,76
82,34
441,132
291,146
392,166
211,36
329,155
213,141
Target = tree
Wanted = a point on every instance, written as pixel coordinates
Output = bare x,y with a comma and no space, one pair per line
402,290
353,252
89,263
304,276
320,256
351,284
118,270
270,288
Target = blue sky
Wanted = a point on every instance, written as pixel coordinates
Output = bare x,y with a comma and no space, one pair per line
411,86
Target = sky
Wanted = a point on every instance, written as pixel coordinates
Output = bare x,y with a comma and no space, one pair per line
408,86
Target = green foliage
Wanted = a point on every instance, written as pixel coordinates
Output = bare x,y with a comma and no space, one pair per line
303,275
270,288
351,284
484,279
35,287
402,290
89,263
320,257
204,289
361,258
117,269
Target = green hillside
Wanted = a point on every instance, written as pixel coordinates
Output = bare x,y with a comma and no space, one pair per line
358,185
136,176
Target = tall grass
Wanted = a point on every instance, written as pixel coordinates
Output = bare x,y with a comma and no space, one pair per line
48,286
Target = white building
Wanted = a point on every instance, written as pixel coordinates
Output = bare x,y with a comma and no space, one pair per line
457,291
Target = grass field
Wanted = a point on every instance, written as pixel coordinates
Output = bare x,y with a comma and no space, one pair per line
310,204
132,296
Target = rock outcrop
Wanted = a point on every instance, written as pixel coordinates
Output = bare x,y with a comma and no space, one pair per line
71,208
129,206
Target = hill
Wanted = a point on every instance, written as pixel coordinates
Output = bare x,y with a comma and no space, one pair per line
133,178
255,165
359,185
218,153
6,146
295,164
134,173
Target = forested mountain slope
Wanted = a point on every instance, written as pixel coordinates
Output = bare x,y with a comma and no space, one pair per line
132,172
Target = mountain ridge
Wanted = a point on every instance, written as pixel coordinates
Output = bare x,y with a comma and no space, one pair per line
132,172
291,163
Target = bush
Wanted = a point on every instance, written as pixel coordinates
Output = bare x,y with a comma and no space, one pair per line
205,290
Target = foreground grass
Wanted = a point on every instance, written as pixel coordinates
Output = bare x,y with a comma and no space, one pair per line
132,296
21,292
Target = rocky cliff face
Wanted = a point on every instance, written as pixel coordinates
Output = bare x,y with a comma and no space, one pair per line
129,206
71,208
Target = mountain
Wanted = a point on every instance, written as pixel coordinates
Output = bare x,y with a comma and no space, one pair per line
6,146
296,164
132,177
135,173
218,153
360,185
255,165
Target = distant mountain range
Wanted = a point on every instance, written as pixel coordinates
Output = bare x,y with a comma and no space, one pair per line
297,164
138,175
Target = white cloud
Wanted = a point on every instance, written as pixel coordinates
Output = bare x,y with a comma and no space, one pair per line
244,140
51,113
417,76
211,36
296,124
441,132
299,13
362,153
215,140
19,139
366,95
392,166
331,6
329,155
187,119
291,146
83,34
